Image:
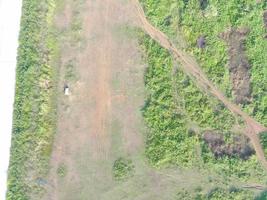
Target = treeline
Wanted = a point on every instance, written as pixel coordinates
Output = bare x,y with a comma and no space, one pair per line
34,108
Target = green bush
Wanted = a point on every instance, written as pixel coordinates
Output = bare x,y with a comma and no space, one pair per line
122,169
263,140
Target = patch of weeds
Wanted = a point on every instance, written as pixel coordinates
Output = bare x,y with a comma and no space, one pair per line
123,169
62,170
76,30
184,194
70,72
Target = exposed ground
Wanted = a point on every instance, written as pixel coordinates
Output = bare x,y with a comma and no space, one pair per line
238,64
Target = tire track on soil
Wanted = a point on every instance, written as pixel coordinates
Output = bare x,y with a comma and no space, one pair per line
191,67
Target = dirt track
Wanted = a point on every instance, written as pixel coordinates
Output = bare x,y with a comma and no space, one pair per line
99,121
190,66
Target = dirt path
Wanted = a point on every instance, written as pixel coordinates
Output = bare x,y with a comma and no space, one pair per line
100,120
190,66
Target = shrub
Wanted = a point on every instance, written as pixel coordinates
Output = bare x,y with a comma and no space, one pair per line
122,169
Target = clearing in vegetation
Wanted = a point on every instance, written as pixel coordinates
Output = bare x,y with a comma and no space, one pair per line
238,64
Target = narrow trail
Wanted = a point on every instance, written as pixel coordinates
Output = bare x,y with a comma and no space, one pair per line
191,67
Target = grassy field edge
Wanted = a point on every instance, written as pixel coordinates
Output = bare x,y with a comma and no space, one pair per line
35,101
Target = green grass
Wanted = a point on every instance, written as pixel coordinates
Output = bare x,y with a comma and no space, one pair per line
212,21
62,170
171,109
122,169
34,109
175,106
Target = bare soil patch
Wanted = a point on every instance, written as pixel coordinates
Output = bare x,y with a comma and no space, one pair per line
101,121
265,18
239,147
238,64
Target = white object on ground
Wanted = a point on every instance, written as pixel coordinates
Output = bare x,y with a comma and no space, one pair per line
10,13
67,91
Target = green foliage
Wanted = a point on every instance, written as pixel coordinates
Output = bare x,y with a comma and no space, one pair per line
34,113
215,19
62,170
167,141
122,169
263,140
170,109
174,102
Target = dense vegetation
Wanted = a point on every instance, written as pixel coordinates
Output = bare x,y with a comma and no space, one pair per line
34,109
175,18
177,112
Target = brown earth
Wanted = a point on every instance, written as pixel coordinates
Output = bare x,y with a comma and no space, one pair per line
191,67
107,68
238,64
239,147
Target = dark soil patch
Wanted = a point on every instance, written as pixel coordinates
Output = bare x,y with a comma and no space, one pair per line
203,4
238,64
265,18
201,42
240,146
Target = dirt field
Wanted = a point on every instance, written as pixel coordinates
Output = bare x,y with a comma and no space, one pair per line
101,119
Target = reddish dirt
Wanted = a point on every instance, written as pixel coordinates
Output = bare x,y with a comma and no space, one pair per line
191,67
85,117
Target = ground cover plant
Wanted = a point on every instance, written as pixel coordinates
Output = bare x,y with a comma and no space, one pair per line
175,19
177,113
34,109
122,169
